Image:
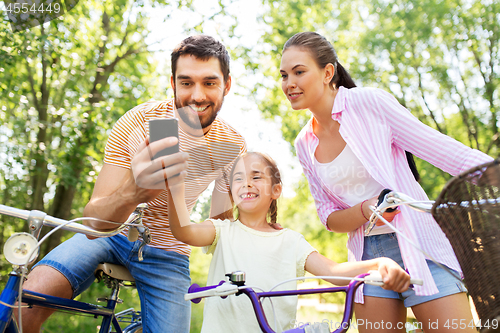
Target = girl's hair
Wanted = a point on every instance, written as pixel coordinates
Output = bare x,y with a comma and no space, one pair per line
275,180
323,53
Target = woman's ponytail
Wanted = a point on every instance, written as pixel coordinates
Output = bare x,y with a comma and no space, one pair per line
342,77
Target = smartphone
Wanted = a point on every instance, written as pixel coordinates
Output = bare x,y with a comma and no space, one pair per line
162,128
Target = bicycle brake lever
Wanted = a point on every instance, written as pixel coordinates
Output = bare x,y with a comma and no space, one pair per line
133,232
146,239
382,204
370,226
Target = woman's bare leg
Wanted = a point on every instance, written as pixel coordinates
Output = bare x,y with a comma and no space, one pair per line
379,314
447,314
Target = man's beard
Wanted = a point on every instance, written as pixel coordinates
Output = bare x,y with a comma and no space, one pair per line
194,121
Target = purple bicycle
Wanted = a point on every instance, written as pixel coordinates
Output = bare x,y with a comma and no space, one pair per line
236,286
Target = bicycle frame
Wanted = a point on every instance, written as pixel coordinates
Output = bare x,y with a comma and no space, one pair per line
10,295
256,297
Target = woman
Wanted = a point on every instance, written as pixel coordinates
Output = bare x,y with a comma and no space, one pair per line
354,146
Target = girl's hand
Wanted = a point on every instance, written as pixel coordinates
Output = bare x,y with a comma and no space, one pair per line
394,277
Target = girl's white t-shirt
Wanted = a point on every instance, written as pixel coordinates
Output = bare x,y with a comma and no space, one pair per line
348,178
267,258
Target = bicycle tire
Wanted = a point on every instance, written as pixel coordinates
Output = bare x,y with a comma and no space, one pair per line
133,328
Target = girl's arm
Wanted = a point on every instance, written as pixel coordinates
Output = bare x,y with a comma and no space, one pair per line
394,277
194,234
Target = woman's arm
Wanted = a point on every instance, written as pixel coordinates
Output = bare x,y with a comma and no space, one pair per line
425,142
350,219
394,277
194,234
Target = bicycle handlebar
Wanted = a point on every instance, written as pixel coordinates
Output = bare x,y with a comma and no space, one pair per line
391,200
236,286
47,220
196,293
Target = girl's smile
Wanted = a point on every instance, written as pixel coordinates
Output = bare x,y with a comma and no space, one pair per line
248,196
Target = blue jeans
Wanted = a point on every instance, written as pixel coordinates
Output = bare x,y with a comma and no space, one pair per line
162,278
386,245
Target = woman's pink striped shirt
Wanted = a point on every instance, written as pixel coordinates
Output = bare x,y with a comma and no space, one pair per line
379,130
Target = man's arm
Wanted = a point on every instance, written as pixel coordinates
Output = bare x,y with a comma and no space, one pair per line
113,198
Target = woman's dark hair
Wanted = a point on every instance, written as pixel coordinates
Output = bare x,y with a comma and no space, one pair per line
323,53
202,47
275,179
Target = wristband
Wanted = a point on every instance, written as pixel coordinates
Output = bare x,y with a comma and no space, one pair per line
363,213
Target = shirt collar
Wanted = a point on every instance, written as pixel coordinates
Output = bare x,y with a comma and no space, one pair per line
338,107
339,104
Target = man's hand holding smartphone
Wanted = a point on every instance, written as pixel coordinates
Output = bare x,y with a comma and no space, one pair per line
157,160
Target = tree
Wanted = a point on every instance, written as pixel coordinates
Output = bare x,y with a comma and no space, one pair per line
63,85
439,58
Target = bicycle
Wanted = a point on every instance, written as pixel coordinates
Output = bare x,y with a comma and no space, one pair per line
468,212
236,286
21,249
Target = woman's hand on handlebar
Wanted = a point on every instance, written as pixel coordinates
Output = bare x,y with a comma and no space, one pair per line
389,216
367,212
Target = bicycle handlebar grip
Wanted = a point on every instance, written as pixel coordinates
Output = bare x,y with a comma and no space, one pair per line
195,290
196,293
381,198
419,282
375,279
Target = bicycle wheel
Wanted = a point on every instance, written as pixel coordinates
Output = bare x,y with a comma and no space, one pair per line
133,328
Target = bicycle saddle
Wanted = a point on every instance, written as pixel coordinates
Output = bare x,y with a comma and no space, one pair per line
118,272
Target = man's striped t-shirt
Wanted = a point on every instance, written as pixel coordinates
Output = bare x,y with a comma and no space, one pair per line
210,156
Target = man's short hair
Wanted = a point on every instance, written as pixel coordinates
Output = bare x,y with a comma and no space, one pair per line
202,47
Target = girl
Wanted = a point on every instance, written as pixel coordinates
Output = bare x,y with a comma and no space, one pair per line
353,147
252,244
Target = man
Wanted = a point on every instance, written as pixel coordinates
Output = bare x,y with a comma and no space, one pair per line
200,79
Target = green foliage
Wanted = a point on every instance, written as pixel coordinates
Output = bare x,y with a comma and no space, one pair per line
436,57
63,86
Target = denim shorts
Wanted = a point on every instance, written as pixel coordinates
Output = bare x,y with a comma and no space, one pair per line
386,245
162,278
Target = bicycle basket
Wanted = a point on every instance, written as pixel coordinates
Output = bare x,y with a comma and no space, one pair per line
468,212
